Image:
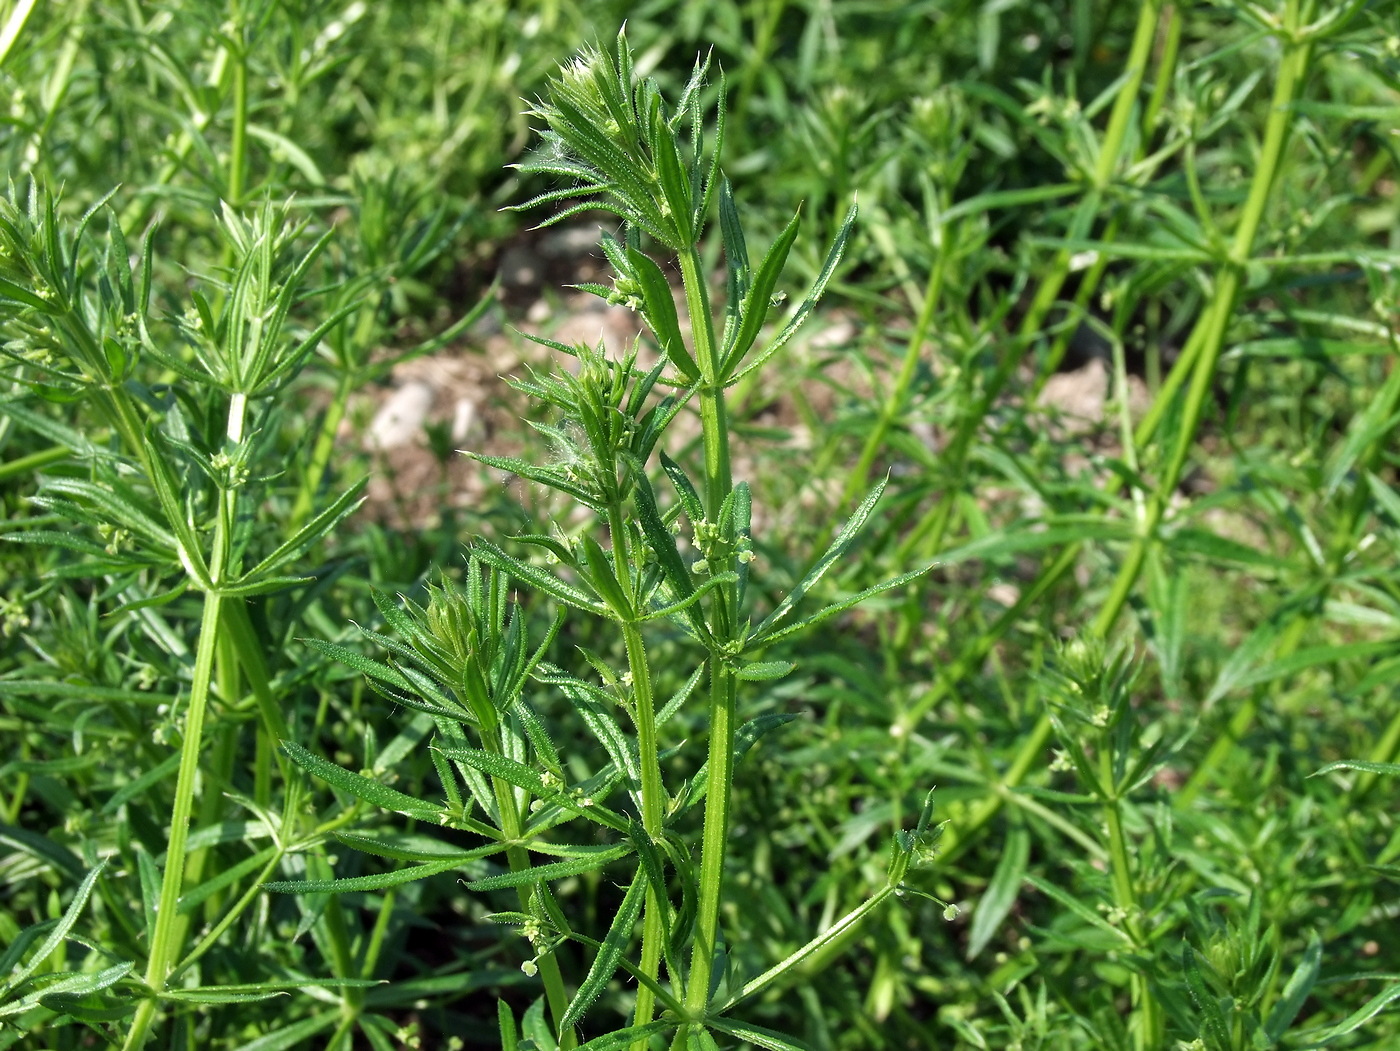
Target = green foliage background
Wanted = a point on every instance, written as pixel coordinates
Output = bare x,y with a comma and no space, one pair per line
1137,836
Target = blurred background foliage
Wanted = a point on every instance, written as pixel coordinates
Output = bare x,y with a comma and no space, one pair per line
1262,632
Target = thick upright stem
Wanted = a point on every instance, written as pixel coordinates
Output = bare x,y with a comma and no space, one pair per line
715,836
714,414
1204,344
653,794
1148,1035
714,425
1215,322
163,946
519,860
653,813
238,147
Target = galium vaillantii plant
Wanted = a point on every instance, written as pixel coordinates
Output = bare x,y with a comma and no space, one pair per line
465,658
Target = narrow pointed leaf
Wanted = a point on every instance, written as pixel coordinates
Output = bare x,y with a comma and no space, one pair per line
686,492
364,788
314,530
764,671
364,665
621,1038
659,308
1001,893
606,962
354,884
1364,765
845,604
804,310
838,547
61,929
525,777
663,545
535,577
1214,1026
758,299
1299,986
595,858
756,1034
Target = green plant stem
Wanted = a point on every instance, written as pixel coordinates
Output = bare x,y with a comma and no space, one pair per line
235,910
1240,721
519,860
251,658
1166,394
899,394
715,837
348,380
714,415
1148,1035
766,15
1215,322
342,961
33,462
1211,327
14,26
714,426
1169,38
238,146
653,794
1088,285
163,947
929,533
809,959
1345,537
322,450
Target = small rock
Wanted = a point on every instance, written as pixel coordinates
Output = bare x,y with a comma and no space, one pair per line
519,267
464,420
567,242
1004,594
400,419
1079,394
830,337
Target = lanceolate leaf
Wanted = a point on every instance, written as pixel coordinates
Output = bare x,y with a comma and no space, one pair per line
758,298
310,533
621,1038
736,250
663,545
1391,769
371,792
595,858
1352,1022
365,665
60,930
363,883
525,777
1214,1026
838,547
535,577
659,307
415,847
1290,1001
606,962
764,671
845,604
756,1034
804,310
605,583
1001,892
